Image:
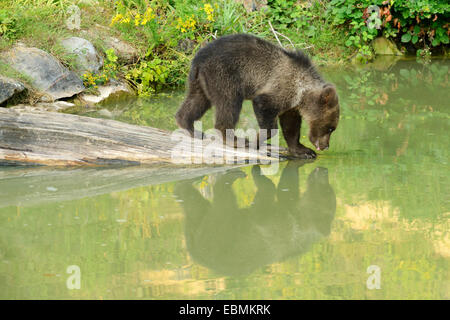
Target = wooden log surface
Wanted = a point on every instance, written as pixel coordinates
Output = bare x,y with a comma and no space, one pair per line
57,139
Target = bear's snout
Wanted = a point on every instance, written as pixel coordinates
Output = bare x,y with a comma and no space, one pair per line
321,145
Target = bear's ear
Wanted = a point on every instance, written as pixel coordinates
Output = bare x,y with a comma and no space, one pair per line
328,96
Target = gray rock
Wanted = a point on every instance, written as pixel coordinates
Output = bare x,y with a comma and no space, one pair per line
253,5
87,58
104,92
124,51
46,73
9,87
186,45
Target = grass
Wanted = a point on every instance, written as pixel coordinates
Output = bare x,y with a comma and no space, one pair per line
42,23
162,63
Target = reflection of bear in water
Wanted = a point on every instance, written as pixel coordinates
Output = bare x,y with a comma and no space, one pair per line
279,223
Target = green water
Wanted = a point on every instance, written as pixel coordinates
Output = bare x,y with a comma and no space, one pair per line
379,196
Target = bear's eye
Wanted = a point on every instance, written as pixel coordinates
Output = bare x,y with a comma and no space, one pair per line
331,129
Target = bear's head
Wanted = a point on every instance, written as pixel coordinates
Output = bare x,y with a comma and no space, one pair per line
321,110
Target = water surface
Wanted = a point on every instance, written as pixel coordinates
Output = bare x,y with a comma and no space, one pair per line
379,196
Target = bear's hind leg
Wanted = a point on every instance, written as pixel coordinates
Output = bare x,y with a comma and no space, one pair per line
192,109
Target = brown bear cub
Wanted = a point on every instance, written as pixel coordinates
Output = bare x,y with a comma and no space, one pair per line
281,84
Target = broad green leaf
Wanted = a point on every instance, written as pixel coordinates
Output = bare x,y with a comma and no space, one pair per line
406,37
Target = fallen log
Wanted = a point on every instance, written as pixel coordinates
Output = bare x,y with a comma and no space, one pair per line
57,139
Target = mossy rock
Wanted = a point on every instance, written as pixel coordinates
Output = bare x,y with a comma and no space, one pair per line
87,58
9,87
46,73
383,46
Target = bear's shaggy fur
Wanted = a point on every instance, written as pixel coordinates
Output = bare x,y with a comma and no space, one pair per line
281,84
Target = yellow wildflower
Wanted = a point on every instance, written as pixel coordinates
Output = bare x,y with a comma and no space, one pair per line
183,26
116,18
137,19
148,15
209,10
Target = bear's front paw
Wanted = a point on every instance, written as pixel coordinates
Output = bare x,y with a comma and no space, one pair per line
303,153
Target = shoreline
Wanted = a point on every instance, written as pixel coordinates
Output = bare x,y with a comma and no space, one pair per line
148,50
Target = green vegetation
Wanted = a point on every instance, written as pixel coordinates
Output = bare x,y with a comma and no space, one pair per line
7,25
109,71
420,25
168,33
173,31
